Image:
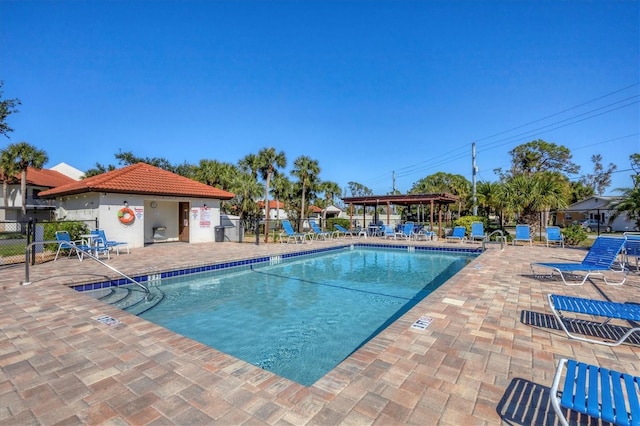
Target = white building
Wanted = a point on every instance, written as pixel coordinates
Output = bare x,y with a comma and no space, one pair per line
143,204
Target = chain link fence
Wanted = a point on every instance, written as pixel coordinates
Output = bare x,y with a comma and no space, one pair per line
15,236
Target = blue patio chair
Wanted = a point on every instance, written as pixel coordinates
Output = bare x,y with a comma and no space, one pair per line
317,232
458,234
599,308
523,233
110,243
79,247
554,236
426,234
597,392
632,248
291,234
600,259
406,231
389,232
477,231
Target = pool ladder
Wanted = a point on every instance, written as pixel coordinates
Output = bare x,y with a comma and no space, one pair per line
499,237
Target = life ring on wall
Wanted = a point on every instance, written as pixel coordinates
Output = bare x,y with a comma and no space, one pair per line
126,216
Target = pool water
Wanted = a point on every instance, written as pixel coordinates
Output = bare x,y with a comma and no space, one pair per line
301,318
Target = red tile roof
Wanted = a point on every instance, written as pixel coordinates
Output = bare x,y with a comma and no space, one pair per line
47,178
140,178
273,204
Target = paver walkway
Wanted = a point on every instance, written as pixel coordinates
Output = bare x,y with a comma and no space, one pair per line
470,366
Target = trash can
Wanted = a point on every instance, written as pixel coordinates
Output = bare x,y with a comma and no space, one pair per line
219,234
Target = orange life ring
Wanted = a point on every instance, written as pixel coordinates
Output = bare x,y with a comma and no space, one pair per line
126,215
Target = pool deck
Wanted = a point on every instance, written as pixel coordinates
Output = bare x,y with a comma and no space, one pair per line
488,356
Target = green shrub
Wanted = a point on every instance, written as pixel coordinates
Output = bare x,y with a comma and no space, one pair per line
574,235
336,220
466,221
75,230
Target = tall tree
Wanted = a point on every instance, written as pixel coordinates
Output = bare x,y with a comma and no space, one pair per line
7,107
24,155
246,190
527,196
281,189
600,179
444,182
215,173
359,190
540,156
331,191
269,161
8,171
629,202
580,191
307,171
249,164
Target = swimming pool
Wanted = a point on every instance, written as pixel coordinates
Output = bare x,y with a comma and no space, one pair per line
300,318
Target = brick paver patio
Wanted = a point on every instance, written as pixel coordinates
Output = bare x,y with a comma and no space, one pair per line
486,358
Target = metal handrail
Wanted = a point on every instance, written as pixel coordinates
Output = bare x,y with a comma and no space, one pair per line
502,238
84,252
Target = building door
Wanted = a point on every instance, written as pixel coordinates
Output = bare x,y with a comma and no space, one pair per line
183,226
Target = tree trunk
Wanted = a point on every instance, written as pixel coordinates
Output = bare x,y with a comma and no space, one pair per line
266,209
23,189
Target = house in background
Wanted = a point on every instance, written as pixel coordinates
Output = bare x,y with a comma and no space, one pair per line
598,208
143,204
36,207
276,210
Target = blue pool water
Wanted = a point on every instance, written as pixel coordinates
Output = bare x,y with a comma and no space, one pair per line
301,318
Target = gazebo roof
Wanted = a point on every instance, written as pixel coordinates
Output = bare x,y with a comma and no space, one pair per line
402,200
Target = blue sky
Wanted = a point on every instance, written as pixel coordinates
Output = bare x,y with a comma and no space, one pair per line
370,89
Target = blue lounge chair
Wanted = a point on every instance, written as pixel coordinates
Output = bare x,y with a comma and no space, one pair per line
317,232
477,231
600,308
406,231
425,234
600,259
64,243
554,236
110,243
523,233
632,248
389,232
597,392
344,231
458,234
290,234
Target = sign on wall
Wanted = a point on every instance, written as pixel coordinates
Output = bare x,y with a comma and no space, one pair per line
205,217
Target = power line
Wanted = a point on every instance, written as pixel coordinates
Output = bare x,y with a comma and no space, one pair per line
433,162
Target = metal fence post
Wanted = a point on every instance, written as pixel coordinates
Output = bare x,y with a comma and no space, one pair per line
257,231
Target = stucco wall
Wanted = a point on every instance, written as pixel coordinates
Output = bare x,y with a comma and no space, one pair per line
140,231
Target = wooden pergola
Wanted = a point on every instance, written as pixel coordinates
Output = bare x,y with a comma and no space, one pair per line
434,201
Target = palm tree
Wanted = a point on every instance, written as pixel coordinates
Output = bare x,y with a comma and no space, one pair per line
487,195
268,163
24,155
8,172
307,171
281,189
249,164
527,196
215,173
331,190
246,190
628,204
